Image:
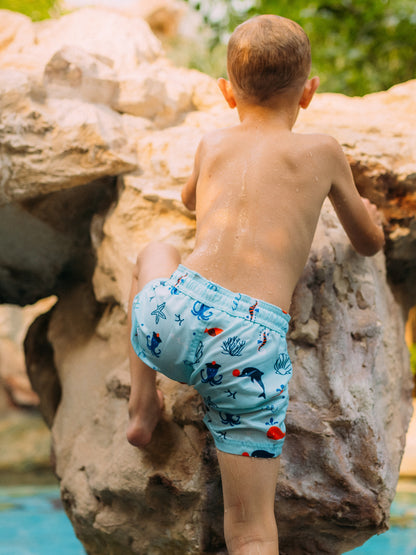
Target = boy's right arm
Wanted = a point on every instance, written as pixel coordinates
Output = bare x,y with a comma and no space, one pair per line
358,216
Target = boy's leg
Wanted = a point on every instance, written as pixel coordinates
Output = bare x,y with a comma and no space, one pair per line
249,486
157,260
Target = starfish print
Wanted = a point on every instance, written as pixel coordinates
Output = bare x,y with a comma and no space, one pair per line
179,319
158,312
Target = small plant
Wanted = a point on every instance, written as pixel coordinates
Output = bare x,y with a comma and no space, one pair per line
41,9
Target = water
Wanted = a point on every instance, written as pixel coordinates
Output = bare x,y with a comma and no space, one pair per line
401,538
33,522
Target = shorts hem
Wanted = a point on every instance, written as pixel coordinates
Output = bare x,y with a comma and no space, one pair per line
247,448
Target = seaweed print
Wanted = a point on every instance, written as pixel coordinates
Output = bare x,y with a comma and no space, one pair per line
198,355
179,319
233,346
209,374
283,365
199,352
201,311
229,419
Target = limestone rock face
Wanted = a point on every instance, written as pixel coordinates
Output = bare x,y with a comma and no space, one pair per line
96,141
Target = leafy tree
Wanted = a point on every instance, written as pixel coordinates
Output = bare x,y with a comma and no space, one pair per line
41,9
358,46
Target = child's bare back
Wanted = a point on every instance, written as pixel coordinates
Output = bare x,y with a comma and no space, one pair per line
259,190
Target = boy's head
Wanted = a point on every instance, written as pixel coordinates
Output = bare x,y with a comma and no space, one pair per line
268,55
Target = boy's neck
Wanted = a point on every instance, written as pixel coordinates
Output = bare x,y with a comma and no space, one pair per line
282,115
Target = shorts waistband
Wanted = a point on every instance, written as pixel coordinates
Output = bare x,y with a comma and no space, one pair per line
235,304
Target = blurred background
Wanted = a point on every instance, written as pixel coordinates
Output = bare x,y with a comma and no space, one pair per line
359,46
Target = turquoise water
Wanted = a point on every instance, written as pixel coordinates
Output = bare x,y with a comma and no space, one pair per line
401,538
33,522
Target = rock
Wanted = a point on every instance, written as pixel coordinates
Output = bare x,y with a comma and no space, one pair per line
16,32
50,246
163,16
14,323
155,91
340,434
381,147
71,143
72,72
97,137
138,44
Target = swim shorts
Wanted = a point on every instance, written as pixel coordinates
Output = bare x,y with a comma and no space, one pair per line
230,347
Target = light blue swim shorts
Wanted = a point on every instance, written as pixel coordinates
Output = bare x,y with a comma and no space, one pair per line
230,347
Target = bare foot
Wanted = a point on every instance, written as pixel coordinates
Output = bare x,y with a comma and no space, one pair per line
144,416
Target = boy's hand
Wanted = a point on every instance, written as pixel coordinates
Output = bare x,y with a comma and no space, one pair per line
373,211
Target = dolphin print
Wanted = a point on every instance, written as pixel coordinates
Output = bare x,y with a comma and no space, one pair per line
255,375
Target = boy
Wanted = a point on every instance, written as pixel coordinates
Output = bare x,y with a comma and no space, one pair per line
219,322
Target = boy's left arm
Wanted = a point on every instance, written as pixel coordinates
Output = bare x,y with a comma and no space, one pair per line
188,194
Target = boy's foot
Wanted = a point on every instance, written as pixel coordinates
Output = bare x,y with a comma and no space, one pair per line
144,418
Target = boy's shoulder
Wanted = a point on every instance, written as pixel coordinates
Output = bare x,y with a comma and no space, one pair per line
321,144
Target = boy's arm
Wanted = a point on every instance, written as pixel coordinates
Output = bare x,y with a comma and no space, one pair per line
358,216
188,194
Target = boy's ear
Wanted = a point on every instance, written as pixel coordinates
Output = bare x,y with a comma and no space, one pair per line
308,92
227,91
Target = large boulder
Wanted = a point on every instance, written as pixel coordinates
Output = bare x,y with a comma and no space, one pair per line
96,141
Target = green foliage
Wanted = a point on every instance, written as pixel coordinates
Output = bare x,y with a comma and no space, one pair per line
413,358
40,9
358,46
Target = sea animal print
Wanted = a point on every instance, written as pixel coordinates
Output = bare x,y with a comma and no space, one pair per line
213,331
201,311
158,312
229,419
209,375
153,343
253,309
283,366
254,374
263,339
233,346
